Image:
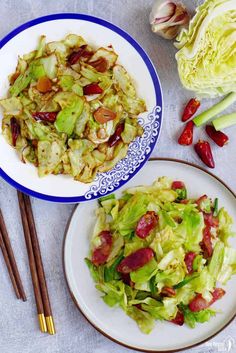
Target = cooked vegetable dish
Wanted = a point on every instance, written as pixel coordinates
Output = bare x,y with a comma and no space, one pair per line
71,109
161,256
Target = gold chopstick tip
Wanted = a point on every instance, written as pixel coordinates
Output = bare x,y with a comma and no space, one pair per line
50,325
42,323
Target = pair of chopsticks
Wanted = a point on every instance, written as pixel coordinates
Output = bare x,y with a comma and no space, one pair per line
42,300
10,261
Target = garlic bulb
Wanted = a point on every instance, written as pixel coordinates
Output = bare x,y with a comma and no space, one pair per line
167,18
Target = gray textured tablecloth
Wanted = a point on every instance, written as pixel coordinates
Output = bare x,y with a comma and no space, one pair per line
18,326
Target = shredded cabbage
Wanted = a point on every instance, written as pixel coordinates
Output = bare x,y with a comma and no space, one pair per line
162,287
48,80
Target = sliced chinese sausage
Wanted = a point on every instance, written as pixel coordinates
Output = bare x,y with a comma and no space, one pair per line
198,303
179,318
126,279
200,200
101,253
206,243
218,293
146,224
177,185
168,291
135,260
103,115
210,220
101,64
189,258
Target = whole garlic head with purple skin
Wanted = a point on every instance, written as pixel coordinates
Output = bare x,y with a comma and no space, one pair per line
167,18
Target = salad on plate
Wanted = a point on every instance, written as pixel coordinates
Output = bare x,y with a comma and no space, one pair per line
71,109
160,255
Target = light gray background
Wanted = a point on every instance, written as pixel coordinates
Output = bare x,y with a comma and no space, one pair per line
18,326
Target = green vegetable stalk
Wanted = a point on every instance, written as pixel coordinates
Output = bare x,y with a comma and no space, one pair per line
215,109
224,121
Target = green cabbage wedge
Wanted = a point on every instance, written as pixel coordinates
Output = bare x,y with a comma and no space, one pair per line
207,50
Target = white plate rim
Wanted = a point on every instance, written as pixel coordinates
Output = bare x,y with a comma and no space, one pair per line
100,330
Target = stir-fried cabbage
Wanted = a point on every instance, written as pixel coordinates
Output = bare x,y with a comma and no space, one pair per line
54,95
179,271
207,50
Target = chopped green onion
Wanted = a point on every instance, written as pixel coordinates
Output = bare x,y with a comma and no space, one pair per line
152,285
215,109
224,121
182,194
215,213
110,273
185,281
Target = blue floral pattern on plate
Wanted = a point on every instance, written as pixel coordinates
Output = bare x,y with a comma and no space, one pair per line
139,151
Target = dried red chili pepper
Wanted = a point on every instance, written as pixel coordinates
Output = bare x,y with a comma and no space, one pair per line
135,260
92,88
217,136
203,149
45,116
190,109
15,130
101,64
179,319
101,253
80,53
116,137
186,137
189,258
146,224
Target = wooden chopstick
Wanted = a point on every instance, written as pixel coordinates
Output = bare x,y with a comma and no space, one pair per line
39,266
33,270
10,261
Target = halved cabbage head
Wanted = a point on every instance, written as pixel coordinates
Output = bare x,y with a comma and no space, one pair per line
207,50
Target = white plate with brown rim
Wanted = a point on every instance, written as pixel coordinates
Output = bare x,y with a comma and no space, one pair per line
112,322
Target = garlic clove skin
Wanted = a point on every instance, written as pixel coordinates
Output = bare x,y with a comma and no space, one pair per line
167,18
161,10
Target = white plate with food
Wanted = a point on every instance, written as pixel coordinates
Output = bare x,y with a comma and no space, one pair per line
81,107
162,256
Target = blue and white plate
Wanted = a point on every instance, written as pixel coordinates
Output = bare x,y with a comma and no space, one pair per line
98,32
